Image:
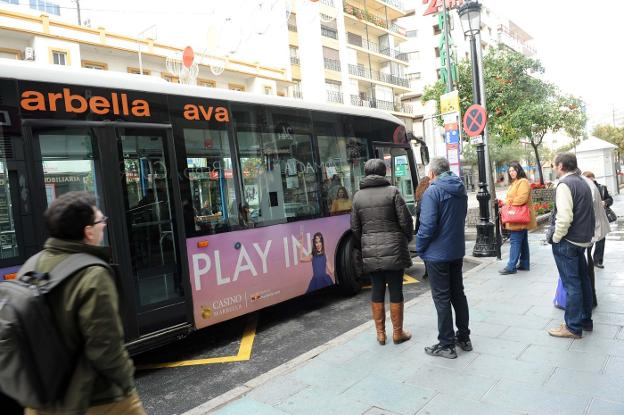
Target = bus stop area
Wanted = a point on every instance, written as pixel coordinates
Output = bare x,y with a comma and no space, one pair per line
515,367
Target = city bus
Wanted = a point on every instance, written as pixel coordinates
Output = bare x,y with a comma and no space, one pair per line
220,202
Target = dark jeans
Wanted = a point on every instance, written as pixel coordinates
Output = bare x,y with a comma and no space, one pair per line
394,280
599,251
519,250
572,266
447,289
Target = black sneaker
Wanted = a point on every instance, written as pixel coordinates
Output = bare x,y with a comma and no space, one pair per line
523,268
439,350
599,265
588,326
465,345
506,271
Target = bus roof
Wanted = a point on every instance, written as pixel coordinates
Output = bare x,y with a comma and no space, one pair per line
29,71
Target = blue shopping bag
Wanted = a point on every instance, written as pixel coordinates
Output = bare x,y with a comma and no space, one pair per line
560,296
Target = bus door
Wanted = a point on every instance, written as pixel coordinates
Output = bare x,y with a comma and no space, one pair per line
131,171
399,168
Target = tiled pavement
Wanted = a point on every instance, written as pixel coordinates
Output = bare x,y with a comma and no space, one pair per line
515,368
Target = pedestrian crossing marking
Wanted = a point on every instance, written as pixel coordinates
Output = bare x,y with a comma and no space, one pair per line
244,351
406,281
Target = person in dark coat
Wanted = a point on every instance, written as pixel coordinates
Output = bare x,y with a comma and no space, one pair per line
383,226
423,185
440,242
607,201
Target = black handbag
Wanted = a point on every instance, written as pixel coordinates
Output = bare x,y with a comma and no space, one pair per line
611,216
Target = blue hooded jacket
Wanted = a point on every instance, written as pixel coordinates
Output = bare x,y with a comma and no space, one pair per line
444,205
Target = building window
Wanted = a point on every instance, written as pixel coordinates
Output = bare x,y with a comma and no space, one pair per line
59,57
45,6
412,33
268,90
170,78
413,76
137,71
413,57
9,53
437,52
294,55
436,30
10,1
209,83
236,87
95,65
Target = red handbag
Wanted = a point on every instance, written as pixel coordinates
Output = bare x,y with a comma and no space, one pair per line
516,214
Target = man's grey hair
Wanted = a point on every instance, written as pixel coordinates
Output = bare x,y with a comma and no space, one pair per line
439,165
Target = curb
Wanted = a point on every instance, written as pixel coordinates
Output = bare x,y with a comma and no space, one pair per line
293,364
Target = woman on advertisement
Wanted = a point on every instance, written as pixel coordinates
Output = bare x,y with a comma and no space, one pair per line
322,270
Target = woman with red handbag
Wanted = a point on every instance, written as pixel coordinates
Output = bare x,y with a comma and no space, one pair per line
518,217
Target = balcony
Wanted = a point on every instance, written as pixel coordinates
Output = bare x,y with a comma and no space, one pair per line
373,19
395,3
371,103
294,60
335,96
329,32
382,105
393,53
332,64
378,76
296,93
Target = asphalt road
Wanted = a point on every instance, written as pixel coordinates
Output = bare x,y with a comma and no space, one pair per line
282,332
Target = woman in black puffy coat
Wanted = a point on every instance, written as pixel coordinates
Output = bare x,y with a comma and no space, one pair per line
383,226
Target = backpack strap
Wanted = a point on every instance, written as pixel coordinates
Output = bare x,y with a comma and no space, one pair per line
70,266
29,266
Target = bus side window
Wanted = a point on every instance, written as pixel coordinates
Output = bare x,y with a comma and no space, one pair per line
279,174
209,167
342,156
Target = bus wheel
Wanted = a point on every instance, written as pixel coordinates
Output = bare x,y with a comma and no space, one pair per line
348,265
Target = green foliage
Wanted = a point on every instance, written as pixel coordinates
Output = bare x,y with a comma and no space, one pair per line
520,104
614,135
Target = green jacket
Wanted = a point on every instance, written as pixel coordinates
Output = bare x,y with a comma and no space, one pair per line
86,307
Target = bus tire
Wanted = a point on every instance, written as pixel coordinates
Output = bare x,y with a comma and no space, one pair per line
348,276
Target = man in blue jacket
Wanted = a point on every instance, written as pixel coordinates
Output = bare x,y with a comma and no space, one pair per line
440,242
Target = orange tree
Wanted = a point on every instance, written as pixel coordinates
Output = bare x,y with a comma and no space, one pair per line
520,104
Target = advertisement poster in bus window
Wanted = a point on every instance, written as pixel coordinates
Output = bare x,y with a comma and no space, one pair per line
239,272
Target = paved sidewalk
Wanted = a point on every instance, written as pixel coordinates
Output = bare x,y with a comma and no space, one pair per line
515,368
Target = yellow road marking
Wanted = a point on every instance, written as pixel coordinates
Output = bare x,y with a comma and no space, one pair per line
244,351
406,281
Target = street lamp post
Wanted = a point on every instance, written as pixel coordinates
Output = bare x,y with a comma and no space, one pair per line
470,17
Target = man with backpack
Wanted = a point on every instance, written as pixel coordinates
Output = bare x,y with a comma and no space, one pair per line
85,309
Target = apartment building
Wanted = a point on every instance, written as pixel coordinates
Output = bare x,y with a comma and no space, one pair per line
48,38
347,52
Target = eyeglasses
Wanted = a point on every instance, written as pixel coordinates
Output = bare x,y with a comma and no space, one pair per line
103,219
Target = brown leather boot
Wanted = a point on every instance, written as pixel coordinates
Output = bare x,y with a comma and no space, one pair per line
379,316
396,315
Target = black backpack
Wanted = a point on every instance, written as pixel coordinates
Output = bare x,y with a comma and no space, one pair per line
35,363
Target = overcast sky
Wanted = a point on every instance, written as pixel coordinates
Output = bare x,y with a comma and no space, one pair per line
579,42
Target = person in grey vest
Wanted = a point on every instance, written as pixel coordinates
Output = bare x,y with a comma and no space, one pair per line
382,225
572,228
